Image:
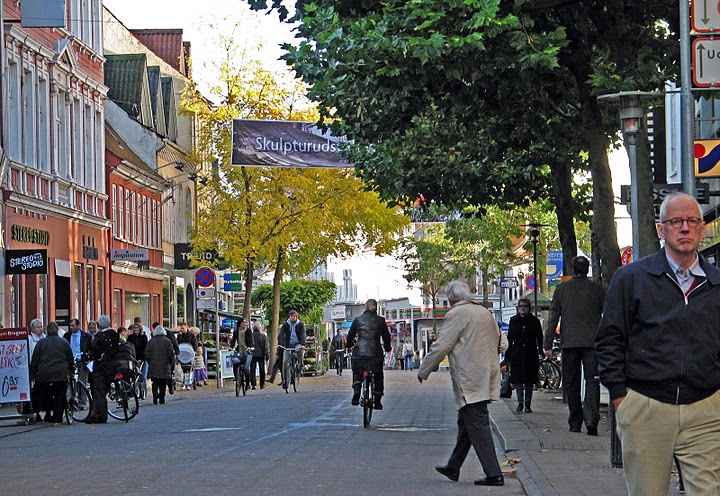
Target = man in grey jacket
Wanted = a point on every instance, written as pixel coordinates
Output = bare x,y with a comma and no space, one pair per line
471,340
51,363
579,302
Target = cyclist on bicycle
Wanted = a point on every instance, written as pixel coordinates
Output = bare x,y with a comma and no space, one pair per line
364,338
242,342
337,348
292,336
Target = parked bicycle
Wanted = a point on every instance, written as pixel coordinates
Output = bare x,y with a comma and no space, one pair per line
122,395
549,374
366,396
291,371
79,399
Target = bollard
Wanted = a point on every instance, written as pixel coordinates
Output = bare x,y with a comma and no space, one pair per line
616,459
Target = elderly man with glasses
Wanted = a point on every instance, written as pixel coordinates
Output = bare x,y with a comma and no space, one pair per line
578,304
659,356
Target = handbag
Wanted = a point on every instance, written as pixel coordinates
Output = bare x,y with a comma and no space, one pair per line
505,387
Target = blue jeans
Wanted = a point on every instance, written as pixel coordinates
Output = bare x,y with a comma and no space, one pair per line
246,367
524,393
408,362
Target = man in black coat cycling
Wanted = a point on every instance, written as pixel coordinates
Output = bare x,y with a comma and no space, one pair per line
364,337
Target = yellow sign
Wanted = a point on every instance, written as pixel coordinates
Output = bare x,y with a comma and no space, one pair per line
707,158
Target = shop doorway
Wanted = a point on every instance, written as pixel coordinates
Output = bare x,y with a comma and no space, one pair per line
62,301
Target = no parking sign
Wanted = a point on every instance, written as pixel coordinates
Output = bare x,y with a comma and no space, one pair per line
204,277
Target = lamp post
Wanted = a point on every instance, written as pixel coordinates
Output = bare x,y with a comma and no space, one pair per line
632,116
534,234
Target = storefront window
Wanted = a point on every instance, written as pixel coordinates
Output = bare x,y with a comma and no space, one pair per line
78,295
137,305
117,305
156,308
100,291
89,292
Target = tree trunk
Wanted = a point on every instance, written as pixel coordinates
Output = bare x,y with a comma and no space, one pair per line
249,271
275,318
565,211
649,242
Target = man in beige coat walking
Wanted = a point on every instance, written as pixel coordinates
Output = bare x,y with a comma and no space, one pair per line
470,338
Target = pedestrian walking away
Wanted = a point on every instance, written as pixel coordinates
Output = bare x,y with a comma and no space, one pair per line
525,346
470,338
51,364
659,347
337,351
260,354
578,305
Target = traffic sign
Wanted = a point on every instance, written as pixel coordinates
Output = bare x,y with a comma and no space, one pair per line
205,293
509,283
704,16
706,62
205,304
232,277
530,281
204,277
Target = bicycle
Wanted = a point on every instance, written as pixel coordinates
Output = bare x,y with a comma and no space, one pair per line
139,383
239,374
76,391
122,393
549,374
366,396
291,371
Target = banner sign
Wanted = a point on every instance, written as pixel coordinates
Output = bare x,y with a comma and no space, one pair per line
14,365
26,262
130,254
184,256
285,144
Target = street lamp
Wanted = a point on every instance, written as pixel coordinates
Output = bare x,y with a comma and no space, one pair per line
534,234
632,116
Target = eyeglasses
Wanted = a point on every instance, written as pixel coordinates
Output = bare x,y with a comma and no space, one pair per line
521,305
677,222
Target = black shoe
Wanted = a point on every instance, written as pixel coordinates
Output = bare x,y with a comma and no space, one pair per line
355,399
450,473
519,408
528,409
162,401
92,420
253,388
574,429
377,405
498,480
591,430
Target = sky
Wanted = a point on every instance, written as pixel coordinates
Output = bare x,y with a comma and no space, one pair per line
196,17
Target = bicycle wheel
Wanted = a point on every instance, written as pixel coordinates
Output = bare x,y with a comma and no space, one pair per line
243,381
549,375
295,377
367,401
79,392
125,403
69,407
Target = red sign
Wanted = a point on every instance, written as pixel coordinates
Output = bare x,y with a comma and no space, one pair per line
530,281
204,277
626,255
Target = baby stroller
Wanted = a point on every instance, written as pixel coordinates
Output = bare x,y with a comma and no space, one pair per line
187,364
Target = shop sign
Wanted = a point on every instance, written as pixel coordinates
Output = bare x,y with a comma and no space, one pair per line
26,234
26,262
133,255
14,366
337,313
184,256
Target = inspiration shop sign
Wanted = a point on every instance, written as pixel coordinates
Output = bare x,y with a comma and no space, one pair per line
26,262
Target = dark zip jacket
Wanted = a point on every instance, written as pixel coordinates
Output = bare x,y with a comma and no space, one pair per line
656,340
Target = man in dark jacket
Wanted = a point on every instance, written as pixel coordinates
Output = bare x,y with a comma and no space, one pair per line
291,337
364,339
104,350
80,343
259,355
659,356
51,363
579,302
186,336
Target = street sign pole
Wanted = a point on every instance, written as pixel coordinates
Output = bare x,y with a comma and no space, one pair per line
218,371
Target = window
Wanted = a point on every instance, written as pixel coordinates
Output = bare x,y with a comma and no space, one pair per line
100,291
117,306
14,115
89,292
89,139
127,214
78,292
43,144
114,210
29,117
62,128
134,219
77,146
99,151
121,212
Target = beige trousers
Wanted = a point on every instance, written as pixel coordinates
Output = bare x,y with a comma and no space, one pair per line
652,431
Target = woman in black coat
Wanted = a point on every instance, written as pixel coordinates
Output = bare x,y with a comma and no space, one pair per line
526,341
160,356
